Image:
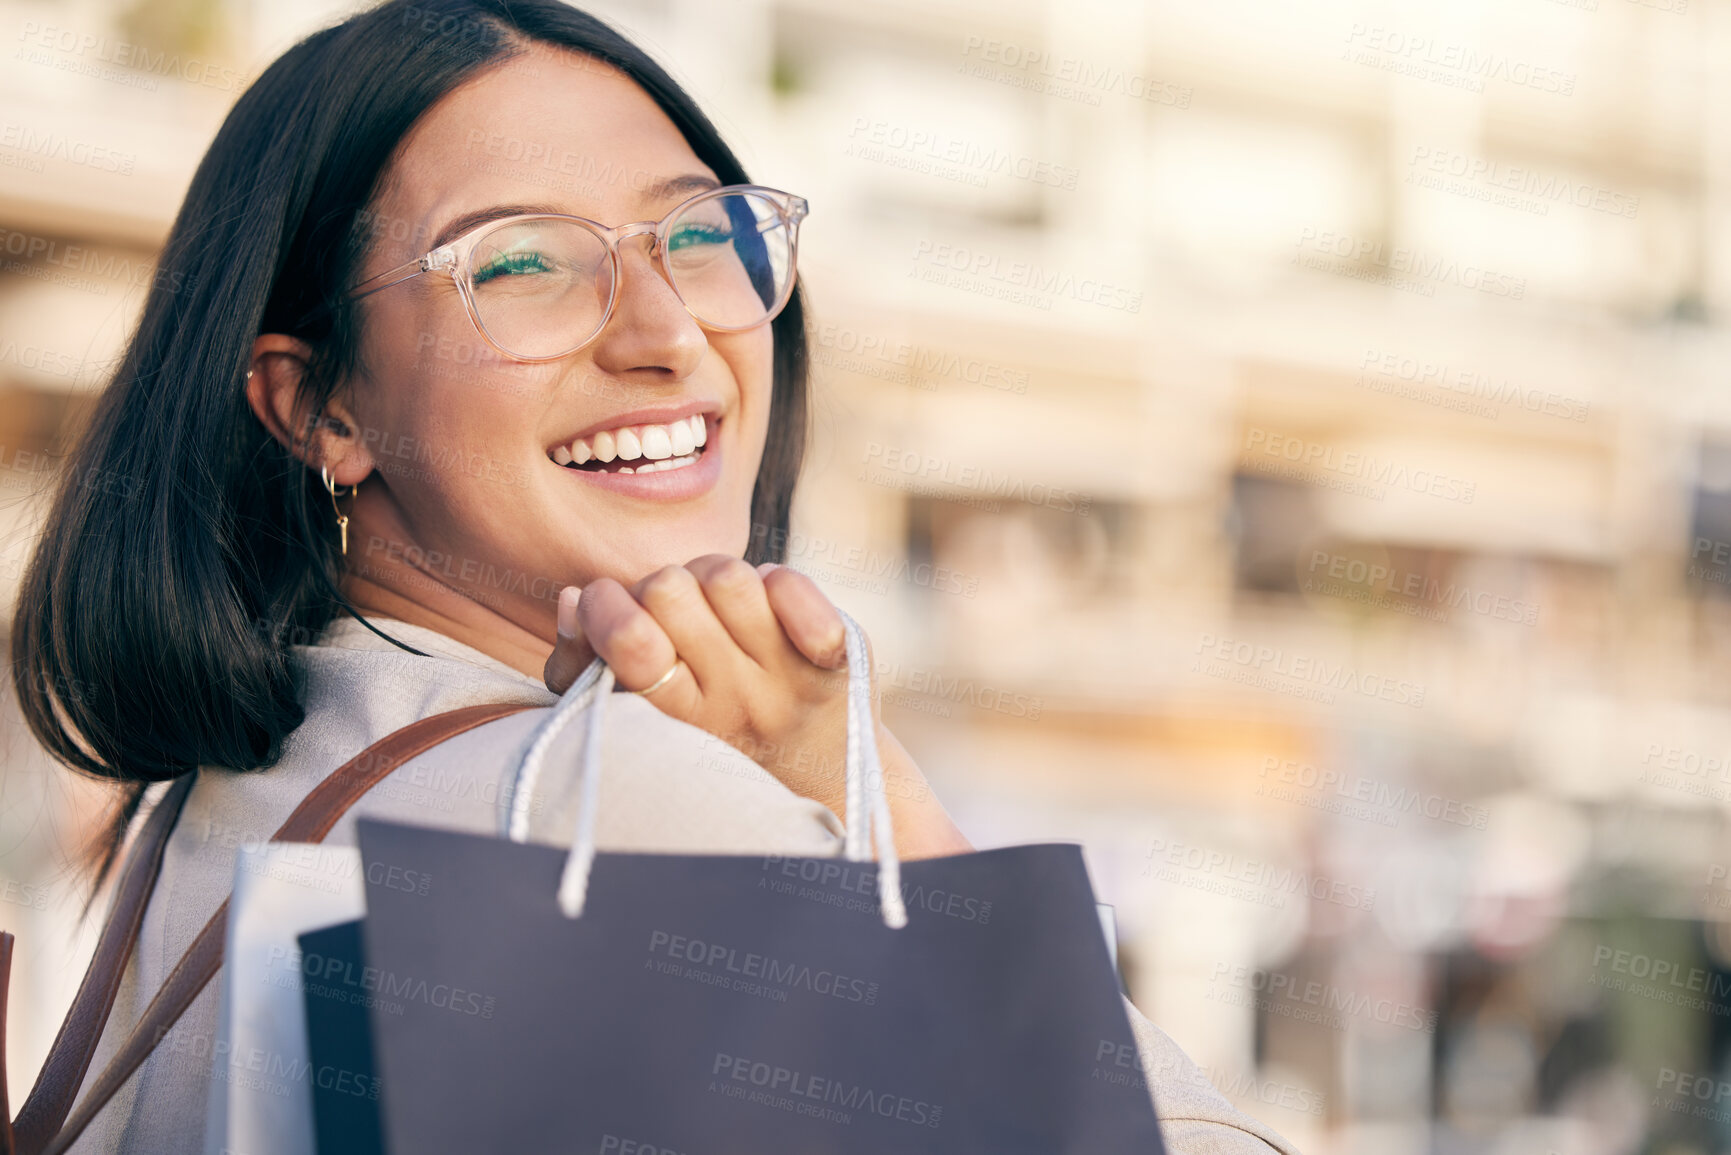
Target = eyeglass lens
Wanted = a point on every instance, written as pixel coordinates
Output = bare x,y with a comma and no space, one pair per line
541,286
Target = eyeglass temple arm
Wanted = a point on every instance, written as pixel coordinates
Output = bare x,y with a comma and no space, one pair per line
395,276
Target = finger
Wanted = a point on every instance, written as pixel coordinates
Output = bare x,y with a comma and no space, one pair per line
572,652
630,640
810,619
736,595
674,598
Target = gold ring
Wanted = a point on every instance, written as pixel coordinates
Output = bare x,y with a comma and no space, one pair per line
662,680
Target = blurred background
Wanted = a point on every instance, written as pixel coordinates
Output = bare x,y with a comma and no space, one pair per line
1281,445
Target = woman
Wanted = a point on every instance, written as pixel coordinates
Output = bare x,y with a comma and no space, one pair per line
388,406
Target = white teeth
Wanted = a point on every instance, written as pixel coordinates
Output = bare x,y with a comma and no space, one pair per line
624,469
670,463
676,439
657,442
680,441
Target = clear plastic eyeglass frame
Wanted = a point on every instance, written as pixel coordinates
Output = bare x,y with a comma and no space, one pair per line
456,259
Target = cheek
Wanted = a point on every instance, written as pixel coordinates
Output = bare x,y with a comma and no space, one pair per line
751,359
445,419
425,363
427,338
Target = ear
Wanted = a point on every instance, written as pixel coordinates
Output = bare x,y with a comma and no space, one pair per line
323,439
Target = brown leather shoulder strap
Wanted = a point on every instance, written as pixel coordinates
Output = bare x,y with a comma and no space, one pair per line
6,1133
57,1083
310,822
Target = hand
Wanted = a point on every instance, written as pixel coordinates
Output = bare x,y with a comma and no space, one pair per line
757,658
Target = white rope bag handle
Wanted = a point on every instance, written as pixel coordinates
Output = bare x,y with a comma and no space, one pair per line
868,809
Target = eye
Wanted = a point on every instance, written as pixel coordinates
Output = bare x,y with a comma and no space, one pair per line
691,235
511,264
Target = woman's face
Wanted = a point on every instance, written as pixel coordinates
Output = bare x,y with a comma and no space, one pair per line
467,445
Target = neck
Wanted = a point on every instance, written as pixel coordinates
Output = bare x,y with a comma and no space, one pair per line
388,586
463,621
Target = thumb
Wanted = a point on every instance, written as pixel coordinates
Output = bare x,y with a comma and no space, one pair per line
571,650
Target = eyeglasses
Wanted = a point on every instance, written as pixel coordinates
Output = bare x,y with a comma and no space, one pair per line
539,287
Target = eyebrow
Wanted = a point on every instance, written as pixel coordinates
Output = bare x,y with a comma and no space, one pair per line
673,186
662,190
460,225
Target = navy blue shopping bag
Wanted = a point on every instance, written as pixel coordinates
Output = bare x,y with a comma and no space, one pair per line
522,998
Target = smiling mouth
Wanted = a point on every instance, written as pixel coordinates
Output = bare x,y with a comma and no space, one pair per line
637,448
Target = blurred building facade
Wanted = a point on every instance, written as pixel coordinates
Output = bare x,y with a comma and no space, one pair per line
1282,447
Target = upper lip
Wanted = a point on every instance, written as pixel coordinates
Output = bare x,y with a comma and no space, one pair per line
648,415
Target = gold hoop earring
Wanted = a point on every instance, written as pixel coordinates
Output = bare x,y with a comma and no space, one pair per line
342,518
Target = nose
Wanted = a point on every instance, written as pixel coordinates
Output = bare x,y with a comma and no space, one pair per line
650,338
